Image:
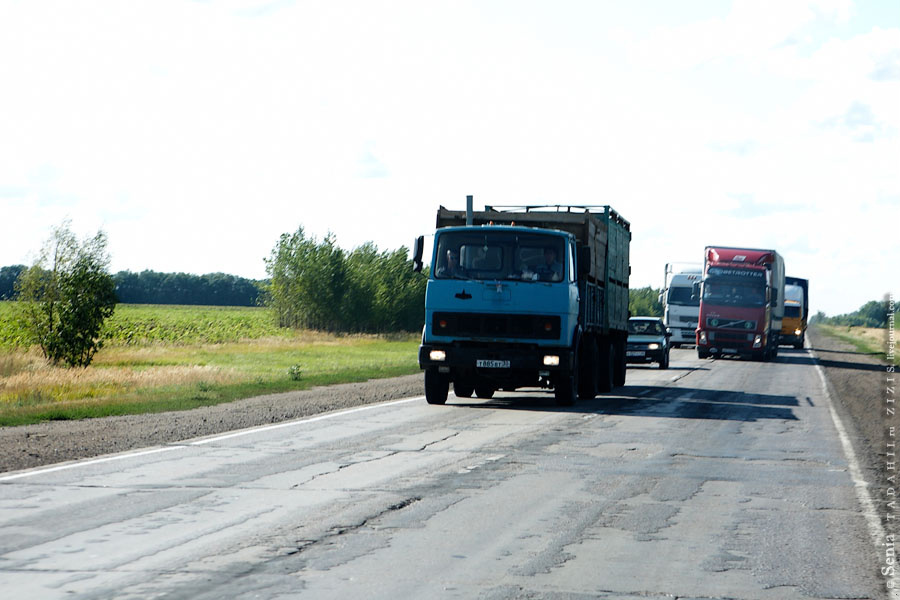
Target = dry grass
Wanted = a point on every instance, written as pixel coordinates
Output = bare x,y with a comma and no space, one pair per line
155,377
176,358
36,381
869,340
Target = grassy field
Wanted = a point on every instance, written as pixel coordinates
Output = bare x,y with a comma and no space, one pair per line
867,340
160,358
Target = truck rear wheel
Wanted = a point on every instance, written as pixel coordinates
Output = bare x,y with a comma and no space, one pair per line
621,364
437,385
606,368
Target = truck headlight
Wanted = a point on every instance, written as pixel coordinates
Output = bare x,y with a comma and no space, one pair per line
703,337
797,332
551,360
652,346
757,341
437,355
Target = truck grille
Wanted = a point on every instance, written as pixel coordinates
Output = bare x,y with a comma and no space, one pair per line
724,336
493,325
724,323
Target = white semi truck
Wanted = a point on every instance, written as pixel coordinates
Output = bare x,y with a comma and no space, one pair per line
680,310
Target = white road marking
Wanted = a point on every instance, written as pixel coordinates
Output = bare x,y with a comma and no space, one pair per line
86,462
138,453
876,531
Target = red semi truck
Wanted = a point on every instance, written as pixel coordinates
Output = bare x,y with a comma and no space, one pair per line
741,303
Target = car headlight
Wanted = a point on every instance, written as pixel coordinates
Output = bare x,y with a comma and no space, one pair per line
437,355
653,346
551,360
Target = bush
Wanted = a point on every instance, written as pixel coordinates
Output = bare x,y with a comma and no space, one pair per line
66,296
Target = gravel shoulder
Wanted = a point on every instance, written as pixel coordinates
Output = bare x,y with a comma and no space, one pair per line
31,446
857,383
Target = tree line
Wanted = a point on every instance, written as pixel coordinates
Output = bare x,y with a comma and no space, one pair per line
151,287
315,284
67,294
213,289
873,313
644,302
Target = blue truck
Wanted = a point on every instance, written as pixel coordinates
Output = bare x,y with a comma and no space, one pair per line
526,296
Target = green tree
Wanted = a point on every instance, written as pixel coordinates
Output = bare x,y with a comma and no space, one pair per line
308,281
871,314
66,296
819,317
644,302
318,285
8,277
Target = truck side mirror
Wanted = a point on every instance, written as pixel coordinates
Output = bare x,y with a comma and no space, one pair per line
774,296
584,260
695,291
418,251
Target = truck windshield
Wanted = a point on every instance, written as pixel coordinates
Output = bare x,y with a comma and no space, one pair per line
495,254
638,327
681,296
734,293
792,311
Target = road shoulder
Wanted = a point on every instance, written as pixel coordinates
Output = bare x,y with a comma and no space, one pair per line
857,386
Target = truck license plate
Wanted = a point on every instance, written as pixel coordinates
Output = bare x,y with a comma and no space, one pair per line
492,364
634,353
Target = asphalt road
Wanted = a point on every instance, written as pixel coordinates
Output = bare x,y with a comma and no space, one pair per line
712,479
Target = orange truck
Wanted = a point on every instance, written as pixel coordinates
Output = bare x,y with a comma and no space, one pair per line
796,311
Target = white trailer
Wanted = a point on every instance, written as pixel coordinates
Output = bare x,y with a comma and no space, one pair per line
681,307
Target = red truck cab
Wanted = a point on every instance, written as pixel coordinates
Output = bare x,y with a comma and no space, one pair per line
741,303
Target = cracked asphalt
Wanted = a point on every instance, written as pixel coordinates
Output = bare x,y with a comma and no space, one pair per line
714,479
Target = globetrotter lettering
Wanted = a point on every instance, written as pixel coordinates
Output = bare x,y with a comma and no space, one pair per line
727,272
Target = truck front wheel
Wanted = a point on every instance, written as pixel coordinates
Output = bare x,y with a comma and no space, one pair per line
566,389
437,386
484,391
463,390
587,380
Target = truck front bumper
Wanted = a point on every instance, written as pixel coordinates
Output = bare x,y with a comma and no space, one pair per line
495,361
726,342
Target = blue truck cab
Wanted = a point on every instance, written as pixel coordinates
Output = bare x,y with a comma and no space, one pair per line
513,301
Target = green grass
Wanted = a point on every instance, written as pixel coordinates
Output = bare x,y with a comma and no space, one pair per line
162,358
865,340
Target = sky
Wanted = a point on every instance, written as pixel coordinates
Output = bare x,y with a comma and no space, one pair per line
196,133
